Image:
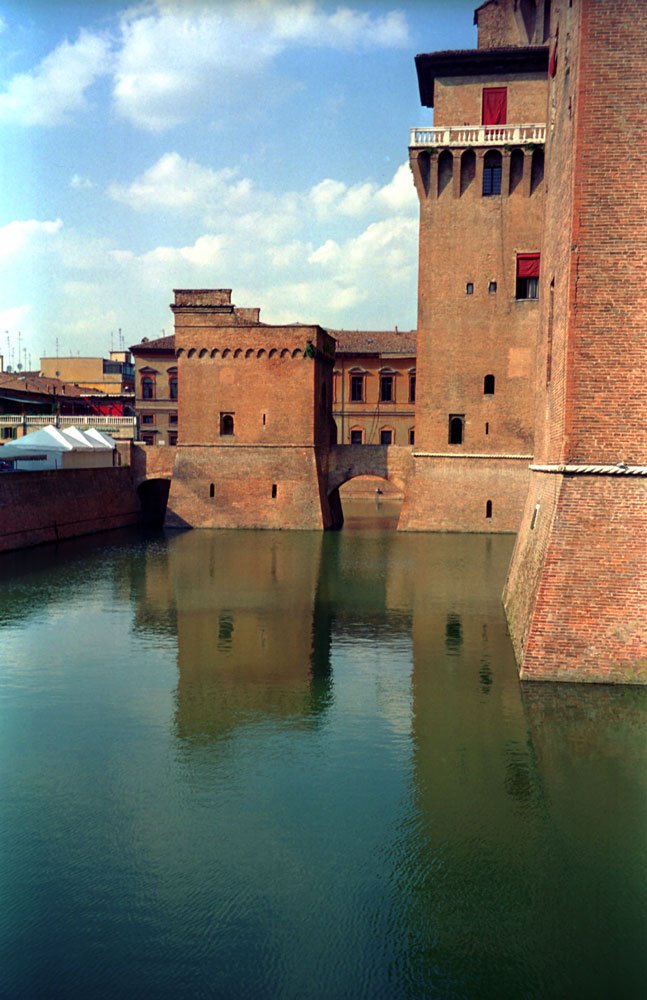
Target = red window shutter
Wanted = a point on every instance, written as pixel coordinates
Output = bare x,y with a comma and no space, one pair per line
528,265
495,105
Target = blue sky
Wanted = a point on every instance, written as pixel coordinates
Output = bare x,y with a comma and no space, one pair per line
259,146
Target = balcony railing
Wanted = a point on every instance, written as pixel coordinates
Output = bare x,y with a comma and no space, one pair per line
15,420
478,135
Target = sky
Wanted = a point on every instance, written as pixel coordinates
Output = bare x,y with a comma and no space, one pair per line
255,145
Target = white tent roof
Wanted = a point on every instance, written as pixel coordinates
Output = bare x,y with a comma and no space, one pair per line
101,439
50,439
46,439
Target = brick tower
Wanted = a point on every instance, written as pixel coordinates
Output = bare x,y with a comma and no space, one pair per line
479,177
577,589
254,418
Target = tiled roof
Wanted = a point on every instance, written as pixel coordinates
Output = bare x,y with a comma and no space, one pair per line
375,342
160,344
17,382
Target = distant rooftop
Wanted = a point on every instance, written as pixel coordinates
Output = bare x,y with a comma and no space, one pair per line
375,342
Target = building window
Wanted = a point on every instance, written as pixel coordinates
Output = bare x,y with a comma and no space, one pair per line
492,288
274,491
488,385
412,388
495,105
148,439
456,426
212,490
469,288
487,427
488,509
172,438
148,418
226,424
492,173
148,387
468,169
387,389
386,436
528,275
357,383
172,418
172,387
356,435
412,435
8,432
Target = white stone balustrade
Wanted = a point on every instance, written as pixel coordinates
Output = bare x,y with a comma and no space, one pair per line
478,135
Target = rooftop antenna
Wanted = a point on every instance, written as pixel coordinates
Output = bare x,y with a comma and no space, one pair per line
57,348
112,337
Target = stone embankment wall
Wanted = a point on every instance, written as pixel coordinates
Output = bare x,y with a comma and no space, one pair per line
38,507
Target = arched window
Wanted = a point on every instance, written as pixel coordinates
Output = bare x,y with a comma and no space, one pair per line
488,385
148,387
226,424
516,169
172,385
468,169
488,509
412,387
492,173
445,170
456,424
536,170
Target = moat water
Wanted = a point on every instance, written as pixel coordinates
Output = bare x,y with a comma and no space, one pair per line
293,765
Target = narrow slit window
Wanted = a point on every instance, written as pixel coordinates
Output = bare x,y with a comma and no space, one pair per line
488,385
487,428
492,288
488,509
212,491
469,288
274,491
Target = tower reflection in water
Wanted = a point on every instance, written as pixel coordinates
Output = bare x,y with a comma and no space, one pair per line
250,645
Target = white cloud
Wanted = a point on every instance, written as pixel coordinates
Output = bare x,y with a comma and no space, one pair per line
176,56
17,236
80,183
48,94
14,318
173,182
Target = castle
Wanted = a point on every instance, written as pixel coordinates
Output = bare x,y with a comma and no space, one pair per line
530,305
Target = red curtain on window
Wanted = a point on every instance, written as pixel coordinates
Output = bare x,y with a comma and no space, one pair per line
495,105
527,265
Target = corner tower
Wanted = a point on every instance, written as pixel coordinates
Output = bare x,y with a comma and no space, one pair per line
254,417
479,176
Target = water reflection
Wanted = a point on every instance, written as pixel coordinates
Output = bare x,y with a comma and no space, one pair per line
285,764
250,643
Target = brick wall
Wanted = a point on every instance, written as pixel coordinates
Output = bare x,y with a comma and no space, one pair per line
459,99
576,592
447,494
38,507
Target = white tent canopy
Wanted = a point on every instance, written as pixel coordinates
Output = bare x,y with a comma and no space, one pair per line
61,449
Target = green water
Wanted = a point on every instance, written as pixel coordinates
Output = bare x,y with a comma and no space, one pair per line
259,764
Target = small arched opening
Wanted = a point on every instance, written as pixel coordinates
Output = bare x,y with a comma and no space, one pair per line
492,170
